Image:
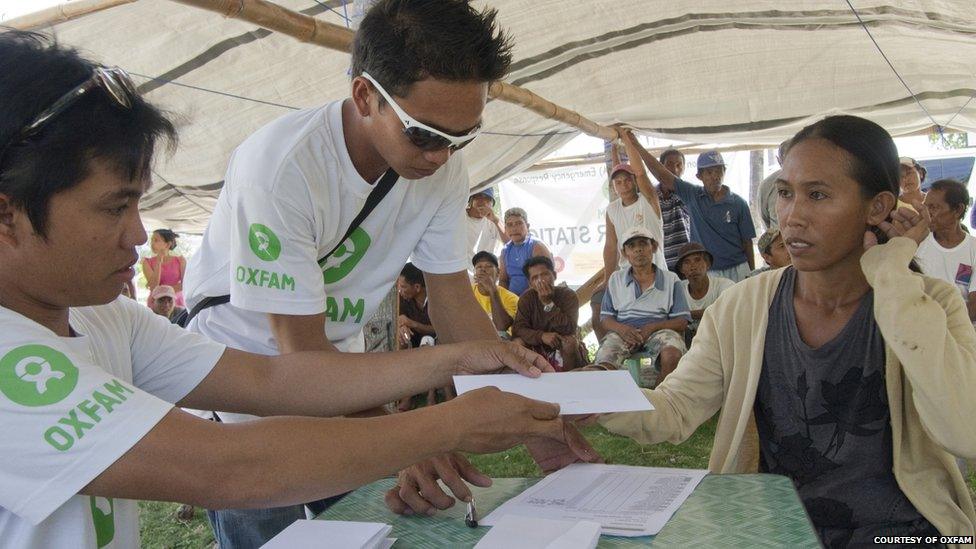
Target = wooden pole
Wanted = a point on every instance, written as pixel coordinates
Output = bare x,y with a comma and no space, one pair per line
309,29
271,16
61,13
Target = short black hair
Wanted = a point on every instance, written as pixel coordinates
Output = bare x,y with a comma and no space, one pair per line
956,194
37,71
400,42
413,275
538,260
671,152
484,256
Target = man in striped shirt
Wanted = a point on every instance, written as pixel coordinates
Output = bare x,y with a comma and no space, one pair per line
644,309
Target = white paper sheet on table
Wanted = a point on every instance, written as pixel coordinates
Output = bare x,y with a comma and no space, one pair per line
624,500
515,532
333,534
576,393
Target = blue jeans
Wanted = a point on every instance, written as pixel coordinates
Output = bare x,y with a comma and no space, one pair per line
252,528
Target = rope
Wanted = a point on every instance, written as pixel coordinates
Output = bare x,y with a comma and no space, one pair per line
938,127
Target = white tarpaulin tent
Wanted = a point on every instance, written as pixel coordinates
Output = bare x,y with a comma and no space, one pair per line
703,71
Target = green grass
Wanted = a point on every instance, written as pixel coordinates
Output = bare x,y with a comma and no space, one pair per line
162,529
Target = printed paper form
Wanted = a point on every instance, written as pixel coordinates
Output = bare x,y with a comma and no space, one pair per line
575,392
624,500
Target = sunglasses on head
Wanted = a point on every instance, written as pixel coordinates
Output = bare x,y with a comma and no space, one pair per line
116,83
421,135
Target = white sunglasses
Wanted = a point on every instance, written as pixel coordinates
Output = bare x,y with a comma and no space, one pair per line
421,135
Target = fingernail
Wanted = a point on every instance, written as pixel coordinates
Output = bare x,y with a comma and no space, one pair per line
535,371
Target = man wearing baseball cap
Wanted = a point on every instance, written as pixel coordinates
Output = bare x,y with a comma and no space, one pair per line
912,176
720,219
637,205
485,233
644,309
164,303
773,251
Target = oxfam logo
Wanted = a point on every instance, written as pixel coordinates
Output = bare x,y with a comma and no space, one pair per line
37,375
346,257
264,243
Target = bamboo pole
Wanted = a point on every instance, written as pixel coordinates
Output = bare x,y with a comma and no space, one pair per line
309,29
271,16
61,13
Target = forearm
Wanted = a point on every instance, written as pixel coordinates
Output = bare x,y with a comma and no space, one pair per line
563,322
612,325
321,383
501,231
971,306
271,462
750,254
529,335
422,329
643,182
609,257
499,316
676,324
295,333
454,311
662,174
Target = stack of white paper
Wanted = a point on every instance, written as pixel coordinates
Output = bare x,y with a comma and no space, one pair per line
515,532
624,500
575,392
333,534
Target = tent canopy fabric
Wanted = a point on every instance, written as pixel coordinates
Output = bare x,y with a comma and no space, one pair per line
746,72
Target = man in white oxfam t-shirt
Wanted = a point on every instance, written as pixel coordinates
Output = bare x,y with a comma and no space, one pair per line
90,383
294,187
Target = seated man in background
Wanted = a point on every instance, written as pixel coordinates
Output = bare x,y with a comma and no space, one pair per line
414,327
163,300
498,302
701,287
645,308
773,251
413,322
547,317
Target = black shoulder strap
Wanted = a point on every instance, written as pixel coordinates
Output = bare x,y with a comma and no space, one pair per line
381,189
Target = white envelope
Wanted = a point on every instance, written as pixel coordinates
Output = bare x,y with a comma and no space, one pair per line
515,532
575,392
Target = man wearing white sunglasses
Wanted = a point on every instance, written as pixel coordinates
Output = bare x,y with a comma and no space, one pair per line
290,216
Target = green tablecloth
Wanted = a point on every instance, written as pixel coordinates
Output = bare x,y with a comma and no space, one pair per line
724,511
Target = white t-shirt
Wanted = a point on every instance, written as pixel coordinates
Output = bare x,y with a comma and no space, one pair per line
71,406
639,213
482,235
290,194
953,265
716,285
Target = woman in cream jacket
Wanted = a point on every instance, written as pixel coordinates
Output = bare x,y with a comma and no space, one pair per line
892,433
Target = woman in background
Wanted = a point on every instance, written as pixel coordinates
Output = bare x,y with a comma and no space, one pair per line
164,268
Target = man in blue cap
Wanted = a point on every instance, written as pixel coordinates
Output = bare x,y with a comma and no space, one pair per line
484,230
720,219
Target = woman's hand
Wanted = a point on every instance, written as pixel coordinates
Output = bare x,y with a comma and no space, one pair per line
905,222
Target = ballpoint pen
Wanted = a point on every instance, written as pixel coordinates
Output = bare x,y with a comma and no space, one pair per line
471,516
